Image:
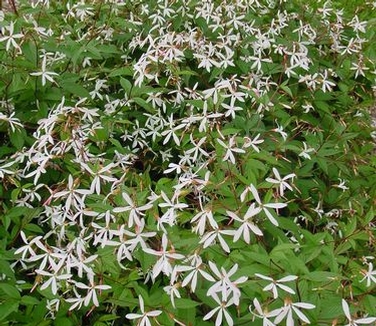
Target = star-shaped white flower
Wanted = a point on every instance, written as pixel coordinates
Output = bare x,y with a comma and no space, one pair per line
46,75
145,315
351,320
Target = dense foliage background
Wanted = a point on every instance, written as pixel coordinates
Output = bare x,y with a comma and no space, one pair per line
187,163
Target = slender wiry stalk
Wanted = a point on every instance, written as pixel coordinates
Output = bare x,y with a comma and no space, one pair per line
13,6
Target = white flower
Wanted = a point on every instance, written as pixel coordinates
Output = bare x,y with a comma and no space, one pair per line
265,315
281,181
247,223
99,176
290,308
279,129
326,84
172,131
231,109
123,250
13,122
231,149
138,236
224,285
357,25
193,273
54,278
351,320
28,250
170,215
144,317
206,118
11,37
275,284
205,61
211,236
264,207
369,275
48,256
135,212
3,170
87,114
359,68
91,295
172,291
221,311
306,150
75,197
103,234
197,149
341,185
53,307
202,217
318,209
253,142
311,81
99,85
46,75
258,62
163,264
77,302
82,264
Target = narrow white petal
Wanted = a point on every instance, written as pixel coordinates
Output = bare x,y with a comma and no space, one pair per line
286,288
211,313
288,278
229,320
368,320
264,277
304,305
154,313
301,316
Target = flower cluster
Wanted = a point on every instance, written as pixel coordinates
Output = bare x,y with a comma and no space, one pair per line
175,158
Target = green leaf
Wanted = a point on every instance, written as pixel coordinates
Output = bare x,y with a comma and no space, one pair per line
369,216
100,135
124,71
17,211
141,102
260,258
282,248
322,164
108,318
330,308
350,227
7,307
74,88
63,321
321,276
186,303
28,300
30,51
10,291
285,88
322,106
126,84
187,73
369,302
118,145
93,50
5,267
36,229
17,138
6,219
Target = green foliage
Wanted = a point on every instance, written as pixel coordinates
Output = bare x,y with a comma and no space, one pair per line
187,162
